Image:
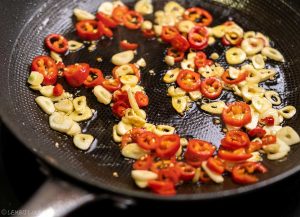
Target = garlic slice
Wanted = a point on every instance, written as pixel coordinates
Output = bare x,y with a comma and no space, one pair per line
83,141
258,61
74,130
254,120
64,105
133,151
283,150
235,56
122,58
74,45
45,104
81,116
288,135
106,8
131,80
188,64
60,122
116,136
273,97
35,78
102,95
171,75
143,175
270,113
79,103
164,130
261,104
195,95
219,31
81,14
273,54
214,107
176,92
122,128
272,130
252,46
179,103
185,26
287,112
47,90
170,60
266,74
144,7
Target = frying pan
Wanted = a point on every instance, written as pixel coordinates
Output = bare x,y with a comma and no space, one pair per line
93,169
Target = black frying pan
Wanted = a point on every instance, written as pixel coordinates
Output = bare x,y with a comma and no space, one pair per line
19,112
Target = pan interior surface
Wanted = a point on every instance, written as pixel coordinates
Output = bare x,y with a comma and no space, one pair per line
96,166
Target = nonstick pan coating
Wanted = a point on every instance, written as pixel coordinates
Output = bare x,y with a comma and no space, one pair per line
95,167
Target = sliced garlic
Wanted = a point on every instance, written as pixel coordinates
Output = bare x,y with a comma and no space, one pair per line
81,14
131,80
56,57
233,72
258,61
116,136
214,107
217,178
185,26
266,74
65,95
214,56
273,97
188,64
255,157
79,103
282,151
251,90
272,130
288,111
252,46
235,56
143,175
183,142
106,8
82,115
288,135
122,128
254,120
249,34
272,53
141,184
102,95
179,103
122,58
170,60
254,76
64,105
219,31
146,25
144,7
261,104
46,104
124,70
35,78
83,141
195,95
264,38
74,130
74,45
176,92
133,151
132,118
60,122
47,90
157,29
149,127
174,7
171,75
270,113
36,87
141,62
164,130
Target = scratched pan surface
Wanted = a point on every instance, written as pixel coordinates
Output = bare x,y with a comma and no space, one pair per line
95,167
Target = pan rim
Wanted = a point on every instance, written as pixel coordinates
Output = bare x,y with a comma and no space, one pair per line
12,126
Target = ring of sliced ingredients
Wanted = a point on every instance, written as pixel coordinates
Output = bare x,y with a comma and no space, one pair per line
164,159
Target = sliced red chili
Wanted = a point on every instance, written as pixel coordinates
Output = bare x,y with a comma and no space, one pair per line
144,163
76,74
60,66
132,20
47,67
125,45
148,140
118,13
106,20
119,95
57,43
178,55
88,30
148,33
168,146
198,151
162,164
235,139
141,99
254,146
131,136
201,60
94,78
187,172
198,37
203,177
257,132
105,30
211,88
119,108
58,90
198,15
170,174
268,139
168,33
236,155
269,121
225,42
188,80
243,173
216,165
180,43
226,78
162,187
237,114
111,84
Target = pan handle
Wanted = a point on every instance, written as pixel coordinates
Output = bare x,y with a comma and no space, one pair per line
57,198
